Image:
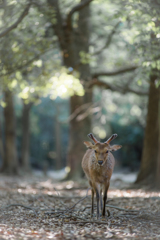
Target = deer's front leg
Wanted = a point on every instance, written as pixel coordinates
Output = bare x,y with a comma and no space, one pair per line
97,197
105,199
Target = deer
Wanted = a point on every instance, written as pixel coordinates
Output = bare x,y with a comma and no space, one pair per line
98,164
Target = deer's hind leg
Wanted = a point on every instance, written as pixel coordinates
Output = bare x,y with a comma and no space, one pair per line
97,190
105,199
92,209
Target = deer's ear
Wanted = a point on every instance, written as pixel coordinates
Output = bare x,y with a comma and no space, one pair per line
89,144
115,148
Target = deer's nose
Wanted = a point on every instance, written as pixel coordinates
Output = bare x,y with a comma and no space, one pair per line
100,162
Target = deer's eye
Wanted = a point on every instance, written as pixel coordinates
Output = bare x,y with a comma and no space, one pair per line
107,151
95,151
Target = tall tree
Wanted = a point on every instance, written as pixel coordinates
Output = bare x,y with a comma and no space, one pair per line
147,43
1,141
18,51
10,164
25,155
158,159
151,139
57,134
72,42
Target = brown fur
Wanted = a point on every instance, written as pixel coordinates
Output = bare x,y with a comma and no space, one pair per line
98,164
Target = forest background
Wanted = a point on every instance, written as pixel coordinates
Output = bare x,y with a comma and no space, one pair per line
68,68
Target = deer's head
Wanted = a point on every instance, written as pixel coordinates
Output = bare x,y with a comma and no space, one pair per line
101,150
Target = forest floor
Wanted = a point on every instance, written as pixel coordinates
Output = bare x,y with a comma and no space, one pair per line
42,208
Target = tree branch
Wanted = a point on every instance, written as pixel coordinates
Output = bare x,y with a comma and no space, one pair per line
69,209
109,39
121,89
20,67
19,20
76,8
114,73
19,205
23,65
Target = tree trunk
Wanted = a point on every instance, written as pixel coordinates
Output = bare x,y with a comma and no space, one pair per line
58,141
80,128
157,180
72,41
150,148
78,133
10,159
25,136
1,143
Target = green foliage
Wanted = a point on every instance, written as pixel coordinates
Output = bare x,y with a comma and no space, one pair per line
57,83
85,58
32,78
143,18
31,67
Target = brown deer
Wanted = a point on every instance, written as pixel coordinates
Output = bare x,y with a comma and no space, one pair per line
98,163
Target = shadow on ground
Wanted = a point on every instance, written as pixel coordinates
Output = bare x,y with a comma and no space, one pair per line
42,208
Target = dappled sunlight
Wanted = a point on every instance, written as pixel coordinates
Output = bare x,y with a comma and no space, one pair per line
52,187
70,69
34,207
132,193
64,85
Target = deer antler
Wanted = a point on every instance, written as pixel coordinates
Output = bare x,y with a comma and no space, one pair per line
90,135
111,138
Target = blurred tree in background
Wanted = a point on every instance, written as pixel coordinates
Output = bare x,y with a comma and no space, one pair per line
104,55
147,43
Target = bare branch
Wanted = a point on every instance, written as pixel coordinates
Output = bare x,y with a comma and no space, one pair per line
77,111
19,205
88,112
121,89
76,8
71,208
141,93
109,39
85,222
121,209
19,20
114,73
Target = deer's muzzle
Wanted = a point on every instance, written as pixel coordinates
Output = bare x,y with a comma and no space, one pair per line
100,162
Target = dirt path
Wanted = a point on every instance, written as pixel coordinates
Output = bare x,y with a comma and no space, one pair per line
39,208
